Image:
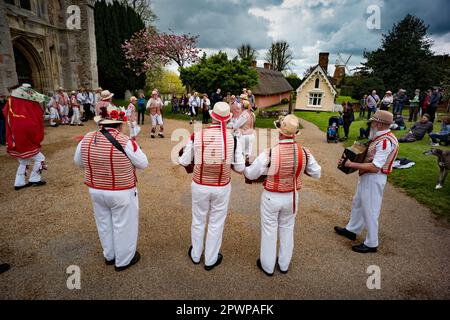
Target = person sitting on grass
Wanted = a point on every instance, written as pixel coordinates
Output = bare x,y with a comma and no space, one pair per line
364,132
443,135
418,130
399,123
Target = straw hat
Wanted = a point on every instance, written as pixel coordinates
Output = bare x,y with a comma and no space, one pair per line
221,112
60,89
288,125
382,116
114,115
106,95
133,98
244,96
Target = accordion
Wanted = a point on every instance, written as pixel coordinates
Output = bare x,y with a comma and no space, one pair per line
356,153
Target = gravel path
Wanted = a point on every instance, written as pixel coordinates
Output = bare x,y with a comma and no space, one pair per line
44,230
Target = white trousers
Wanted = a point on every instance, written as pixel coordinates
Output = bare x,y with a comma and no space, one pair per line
117,219
277,222
76,116
247,143
212,203
54,115
35,175
156,120
367,206
134,129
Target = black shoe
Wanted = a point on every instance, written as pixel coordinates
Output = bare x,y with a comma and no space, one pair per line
21,187
110,262
4,267
133,261
153,136
190,256
345,233
279,269
160,135
362,248
219,261
258,264
37,184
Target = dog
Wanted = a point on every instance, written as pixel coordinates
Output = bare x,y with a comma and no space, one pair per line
443,162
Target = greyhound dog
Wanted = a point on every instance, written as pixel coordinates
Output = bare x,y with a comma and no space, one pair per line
443,162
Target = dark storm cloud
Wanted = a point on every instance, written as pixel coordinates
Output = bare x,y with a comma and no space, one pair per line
220,23
435,13
309,26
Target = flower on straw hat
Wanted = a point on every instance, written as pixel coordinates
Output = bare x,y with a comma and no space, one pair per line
111,115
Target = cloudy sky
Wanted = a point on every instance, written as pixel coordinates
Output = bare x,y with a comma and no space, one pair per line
309,26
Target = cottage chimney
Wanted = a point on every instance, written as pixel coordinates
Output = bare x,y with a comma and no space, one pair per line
267,66
323,60
254,63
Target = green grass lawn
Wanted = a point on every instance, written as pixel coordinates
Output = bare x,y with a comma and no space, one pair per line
419,181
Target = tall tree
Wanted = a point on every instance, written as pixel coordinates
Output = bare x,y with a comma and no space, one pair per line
246,52
143,9
217,71
114,23
294,80
279,56
405,59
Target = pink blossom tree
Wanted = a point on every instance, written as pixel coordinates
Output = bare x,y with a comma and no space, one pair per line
146,49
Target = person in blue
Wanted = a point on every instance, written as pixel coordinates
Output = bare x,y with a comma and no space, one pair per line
443,135
141,108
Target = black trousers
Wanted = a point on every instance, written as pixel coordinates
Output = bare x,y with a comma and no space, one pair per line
206,116
347,128
141,113
413,113
432,113
87,112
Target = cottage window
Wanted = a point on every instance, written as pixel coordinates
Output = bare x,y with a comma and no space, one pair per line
315,99
317,83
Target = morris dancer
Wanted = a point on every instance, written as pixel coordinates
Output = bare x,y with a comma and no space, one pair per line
383,149
131,115
214,151
245,125
24,133
54,111
62,99
76,117
110,159
155,105
284,165
104,103
236,111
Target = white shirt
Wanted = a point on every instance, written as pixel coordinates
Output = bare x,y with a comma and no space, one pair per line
260,167
381,154
80,98
238,160
137,158
194,101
